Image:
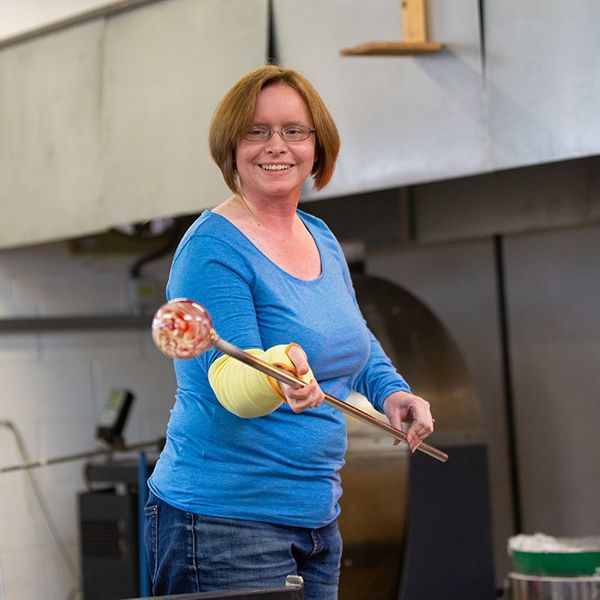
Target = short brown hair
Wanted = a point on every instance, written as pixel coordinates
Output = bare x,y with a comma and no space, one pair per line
235,112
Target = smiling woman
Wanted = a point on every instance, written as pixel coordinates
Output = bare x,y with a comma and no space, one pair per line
244,479
276,167
235,115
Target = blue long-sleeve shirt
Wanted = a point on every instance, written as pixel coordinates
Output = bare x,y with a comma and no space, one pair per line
284,467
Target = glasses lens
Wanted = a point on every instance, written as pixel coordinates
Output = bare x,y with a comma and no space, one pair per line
292,133
257,133
295,133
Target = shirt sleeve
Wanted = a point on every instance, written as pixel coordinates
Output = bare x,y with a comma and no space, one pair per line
379,378
213,273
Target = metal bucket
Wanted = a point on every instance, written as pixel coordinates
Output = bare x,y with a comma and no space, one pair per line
530,587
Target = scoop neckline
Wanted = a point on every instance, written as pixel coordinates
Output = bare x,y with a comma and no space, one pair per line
269,260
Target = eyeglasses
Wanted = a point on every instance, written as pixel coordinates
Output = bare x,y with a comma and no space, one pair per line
291,133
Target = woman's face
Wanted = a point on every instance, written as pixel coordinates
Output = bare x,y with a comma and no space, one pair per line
276,168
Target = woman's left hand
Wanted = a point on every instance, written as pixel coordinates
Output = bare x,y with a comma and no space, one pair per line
309,396
403,407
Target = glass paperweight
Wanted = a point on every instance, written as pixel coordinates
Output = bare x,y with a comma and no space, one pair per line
182,329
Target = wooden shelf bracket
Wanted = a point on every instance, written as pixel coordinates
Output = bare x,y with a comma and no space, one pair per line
414,35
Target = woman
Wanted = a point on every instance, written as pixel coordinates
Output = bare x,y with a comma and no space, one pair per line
246,489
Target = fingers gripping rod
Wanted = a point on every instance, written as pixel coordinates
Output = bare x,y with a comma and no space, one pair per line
183,329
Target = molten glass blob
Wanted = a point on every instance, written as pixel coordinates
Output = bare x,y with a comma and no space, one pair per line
182,329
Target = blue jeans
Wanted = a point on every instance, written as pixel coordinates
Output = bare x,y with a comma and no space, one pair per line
190,553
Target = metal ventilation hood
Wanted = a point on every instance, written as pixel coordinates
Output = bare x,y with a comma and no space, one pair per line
516,84
105,122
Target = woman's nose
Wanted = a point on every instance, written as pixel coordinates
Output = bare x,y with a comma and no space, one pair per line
275,143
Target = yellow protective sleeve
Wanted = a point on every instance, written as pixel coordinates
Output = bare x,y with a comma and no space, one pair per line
246,392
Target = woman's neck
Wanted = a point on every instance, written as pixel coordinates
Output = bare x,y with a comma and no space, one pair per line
274,214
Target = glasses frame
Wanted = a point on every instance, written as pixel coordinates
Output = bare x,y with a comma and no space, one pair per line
281,135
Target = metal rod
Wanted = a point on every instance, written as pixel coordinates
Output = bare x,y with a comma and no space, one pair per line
288,378
44,462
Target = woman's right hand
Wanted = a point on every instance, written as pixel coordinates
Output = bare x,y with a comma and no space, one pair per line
309,396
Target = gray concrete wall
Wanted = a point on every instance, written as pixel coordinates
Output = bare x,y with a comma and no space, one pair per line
55,385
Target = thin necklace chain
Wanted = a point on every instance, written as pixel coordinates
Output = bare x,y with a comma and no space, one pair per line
256,221
250,211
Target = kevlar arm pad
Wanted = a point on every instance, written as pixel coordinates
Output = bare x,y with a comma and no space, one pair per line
245,391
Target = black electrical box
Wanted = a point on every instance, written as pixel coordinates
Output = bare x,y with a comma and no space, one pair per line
109,545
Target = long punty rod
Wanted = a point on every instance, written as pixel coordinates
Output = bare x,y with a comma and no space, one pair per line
183,329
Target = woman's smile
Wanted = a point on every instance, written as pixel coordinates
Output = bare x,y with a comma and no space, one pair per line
276,167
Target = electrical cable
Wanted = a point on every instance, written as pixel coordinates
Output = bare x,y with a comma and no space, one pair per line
52,528
2,590
173,237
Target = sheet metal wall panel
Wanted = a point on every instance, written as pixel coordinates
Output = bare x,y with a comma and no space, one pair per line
553,285
166,68
402,119
28,15
105,122
50,165
544,196
543,80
